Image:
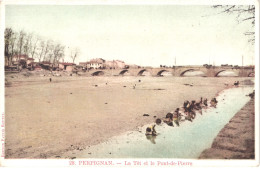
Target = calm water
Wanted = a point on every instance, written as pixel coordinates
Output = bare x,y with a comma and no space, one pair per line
186,141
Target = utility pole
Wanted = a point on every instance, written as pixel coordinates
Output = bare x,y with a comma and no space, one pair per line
242,65
242,60
174,65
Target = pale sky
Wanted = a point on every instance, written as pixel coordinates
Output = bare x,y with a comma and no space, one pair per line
147,35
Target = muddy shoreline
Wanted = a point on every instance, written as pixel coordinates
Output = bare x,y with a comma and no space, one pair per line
237,139
46,119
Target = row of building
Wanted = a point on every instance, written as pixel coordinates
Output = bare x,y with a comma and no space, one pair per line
100,63
19,62
23,61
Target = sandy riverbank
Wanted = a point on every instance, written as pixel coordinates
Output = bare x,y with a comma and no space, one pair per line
45,119
237,139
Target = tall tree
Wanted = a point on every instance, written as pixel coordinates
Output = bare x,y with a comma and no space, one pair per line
74,54
10,45
40,50
27,43
33,46
8,36
20,43
13,49
47,49
58,53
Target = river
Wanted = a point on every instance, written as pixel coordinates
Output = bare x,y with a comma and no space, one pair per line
186,141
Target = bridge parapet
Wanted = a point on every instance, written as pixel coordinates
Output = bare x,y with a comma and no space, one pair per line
176,71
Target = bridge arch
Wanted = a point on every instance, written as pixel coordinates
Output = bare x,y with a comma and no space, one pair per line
98,73
140,73
217,74
182,73
162,71
251,74
123,72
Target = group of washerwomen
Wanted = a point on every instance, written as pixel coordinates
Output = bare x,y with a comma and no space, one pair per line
187,112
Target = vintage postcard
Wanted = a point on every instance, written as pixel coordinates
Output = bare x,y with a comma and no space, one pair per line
129,83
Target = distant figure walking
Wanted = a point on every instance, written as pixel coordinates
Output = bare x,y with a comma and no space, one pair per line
50,79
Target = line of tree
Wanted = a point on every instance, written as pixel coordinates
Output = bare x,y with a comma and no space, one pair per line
34,46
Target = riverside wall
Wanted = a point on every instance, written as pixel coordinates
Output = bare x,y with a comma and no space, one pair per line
237,139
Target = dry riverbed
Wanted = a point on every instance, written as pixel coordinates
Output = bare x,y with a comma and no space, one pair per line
46,119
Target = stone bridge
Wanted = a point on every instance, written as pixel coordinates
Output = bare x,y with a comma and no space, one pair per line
176,71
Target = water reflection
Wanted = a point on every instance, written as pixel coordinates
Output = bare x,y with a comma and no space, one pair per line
151,138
